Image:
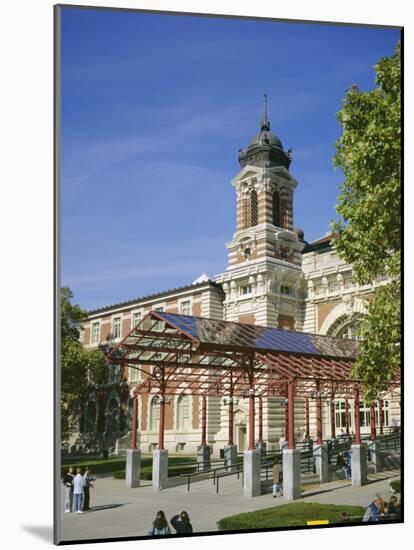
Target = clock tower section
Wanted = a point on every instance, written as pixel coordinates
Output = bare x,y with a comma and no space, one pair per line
263,281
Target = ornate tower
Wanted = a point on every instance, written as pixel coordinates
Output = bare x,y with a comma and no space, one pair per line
263,280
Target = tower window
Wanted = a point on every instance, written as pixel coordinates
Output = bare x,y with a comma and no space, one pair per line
276,209
286,290
253,208
246,289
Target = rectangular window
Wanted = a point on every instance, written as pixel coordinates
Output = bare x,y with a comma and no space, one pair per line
246,289
159,325
334,286
285,290
116,327
185,308
95,332
133,374
136,318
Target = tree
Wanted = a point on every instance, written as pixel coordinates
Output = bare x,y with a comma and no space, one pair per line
368,233
79,366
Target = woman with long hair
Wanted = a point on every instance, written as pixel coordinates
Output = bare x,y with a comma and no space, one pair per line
159,525
181,523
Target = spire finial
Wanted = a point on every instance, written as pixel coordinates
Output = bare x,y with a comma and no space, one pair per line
265,125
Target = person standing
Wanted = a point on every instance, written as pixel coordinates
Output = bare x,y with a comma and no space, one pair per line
277,472
181,523
159,525
68,483
372,512
86,489
78,486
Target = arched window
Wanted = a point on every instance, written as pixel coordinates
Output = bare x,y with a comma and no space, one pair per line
154,414
113,416
253,208
90,417
183,412
276,208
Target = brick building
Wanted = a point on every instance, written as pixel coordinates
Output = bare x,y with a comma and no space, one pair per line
274,278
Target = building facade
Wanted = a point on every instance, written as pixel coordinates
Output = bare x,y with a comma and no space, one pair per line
273,278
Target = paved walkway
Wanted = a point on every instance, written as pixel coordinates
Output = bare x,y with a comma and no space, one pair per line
121,512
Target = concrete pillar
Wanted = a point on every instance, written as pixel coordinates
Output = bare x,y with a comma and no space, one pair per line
320,452
203,457
230,456
133,468
291,474
359,463
251,474
159,469
374,448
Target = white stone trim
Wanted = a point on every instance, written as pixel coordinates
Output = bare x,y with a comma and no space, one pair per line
356,306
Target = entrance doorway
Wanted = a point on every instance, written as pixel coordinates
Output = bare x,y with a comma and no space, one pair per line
241,438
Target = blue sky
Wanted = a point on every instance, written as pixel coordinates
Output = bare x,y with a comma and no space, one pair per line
154,110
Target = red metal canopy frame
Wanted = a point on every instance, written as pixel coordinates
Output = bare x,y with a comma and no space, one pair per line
222,360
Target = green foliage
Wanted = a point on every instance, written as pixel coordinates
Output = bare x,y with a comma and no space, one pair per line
396,485
368,233
290,515
78,365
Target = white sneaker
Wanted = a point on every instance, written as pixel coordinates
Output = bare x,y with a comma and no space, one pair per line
80,512
67,511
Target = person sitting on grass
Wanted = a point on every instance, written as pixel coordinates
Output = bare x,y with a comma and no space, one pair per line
181,523
373,510
159,525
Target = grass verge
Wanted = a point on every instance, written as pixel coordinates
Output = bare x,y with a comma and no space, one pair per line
289,515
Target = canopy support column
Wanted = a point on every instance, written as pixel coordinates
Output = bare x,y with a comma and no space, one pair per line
134,422
291,414
381,416
231,421
307,430
332,411
260,420
373,434
346,416
357,438
203,420
319,418
162,422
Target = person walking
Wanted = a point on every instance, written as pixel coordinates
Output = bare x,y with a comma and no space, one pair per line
68,483
78,486
181,523
159,525
373,510
277,471
86,489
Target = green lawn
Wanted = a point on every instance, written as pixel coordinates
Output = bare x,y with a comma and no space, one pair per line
289,515
116,464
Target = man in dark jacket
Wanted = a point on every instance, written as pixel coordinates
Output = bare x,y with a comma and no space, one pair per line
86,489
182,524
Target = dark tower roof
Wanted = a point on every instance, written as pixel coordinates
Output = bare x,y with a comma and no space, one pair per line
265,148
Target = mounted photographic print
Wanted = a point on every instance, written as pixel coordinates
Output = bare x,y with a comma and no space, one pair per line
228,282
